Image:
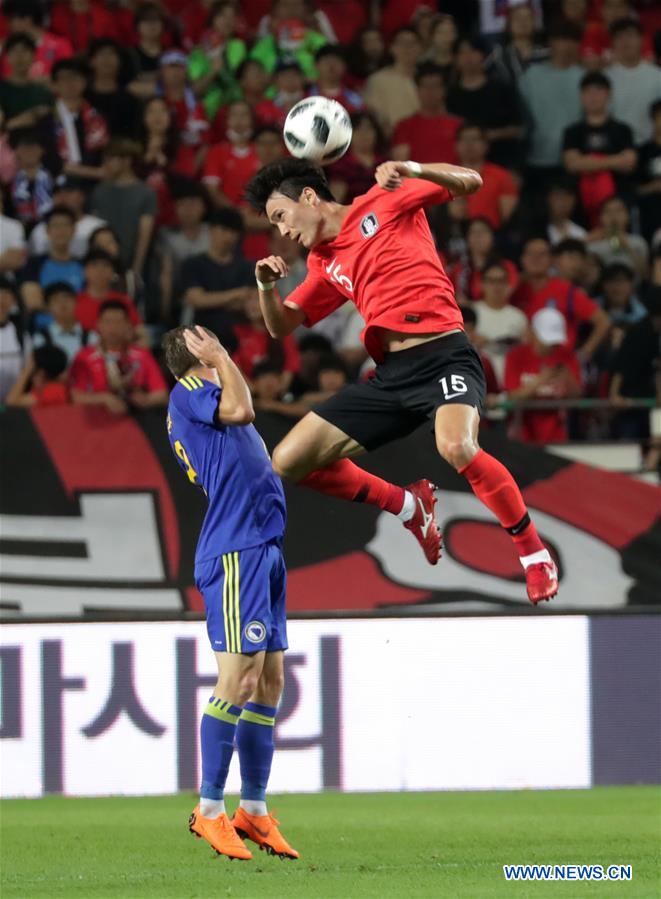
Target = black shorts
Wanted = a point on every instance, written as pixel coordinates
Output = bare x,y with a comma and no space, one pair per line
406,390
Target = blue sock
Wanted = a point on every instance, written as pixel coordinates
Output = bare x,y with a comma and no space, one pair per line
254,740
217,732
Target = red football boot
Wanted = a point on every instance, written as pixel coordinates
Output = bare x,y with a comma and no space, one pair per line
423,524
541,581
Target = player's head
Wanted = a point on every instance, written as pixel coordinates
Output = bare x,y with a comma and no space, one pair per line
293,193
178,357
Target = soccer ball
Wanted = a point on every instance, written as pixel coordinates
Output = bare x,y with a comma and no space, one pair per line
317,129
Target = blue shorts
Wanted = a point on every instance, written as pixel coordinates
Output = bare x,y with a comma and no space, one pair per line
244,597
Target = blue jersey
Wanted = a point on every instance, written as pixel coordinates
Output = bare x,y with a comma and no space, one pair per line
231,464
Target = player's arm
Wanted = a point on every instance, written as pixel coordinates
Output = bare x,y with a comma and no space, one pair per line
235,404
280,320
460,182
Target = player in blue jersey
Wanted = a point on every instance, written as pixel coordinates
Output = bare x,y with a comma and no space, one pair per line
240,572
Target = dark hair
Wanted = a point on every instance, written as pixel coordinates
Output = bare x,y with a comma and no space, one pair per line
240,72
96,254
9,287
610,199
475,42
267,129
123,147
112,306
100,230
655,108
56,288
51,360
563,182
405,29
184,188
148,11
617,270
288,177
595,79
565,31
316,343
266,367
25,137
332,362
18,39
24,9
330,50
470,126
216,8
228,218
103,43
178,358
570,245
73,64
60,210
427,70
628,23
495,263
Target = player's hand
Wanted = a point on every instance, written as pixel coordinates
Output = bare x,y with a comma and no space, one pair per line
389,175
205,347
270,269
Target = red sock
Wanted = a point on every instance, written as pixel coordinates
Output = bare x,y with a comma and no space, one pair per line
347,481
496,488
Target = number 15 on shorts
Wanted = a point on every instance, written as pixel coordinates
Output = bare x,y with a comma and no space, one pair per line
456,388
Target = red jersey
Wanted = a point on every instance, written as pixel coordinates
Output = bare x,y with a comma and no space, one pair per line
87,308
574,303
496,183
522,364
384,260
429,138
230,169
136,365
254,345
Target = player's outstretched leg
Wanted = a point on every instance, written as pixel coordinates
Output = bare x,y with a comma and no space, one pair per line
254,741
314,453
492,483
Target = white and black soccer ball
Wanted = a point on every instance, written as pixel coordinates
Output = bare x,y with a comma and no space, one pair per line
318,129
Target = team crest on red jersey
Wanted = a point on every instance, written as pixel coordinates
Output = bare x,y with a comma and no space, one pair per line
369,225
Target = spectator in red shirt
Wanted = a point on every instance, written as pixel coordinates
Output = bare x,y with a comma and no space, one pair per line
116,374
544,368
256,345
496,200
232,163
353,175
331,71
431,133
81,132
99,270
289,83
538,290
80,21
187,112
41,383
27,17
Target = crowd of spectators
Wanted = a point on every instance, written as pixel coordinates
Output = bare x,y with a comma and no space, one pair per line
129,129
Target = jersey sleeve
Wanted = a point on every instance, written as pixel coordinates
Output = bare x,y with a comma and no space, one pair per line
413,194
316,298
201,404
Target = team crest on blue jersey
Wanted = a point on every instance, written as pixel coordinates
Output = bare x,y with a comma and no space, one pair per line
255,631
369,225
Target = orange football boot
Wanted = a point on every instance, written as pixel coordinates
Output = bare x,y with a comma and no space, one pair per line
263,830
219,834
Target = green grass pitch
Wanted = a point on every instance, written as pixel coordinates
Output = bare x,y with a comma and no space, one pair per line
352,845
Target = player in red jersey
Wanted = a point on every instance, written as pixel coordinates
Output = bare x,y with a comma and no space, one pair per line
379,253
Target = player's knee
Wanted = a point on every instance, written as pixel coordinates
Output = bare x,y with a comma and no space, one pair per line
237,687
458,451
270,687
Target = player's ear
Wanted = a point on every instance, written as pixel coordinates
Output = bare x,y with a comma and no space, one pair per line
310,196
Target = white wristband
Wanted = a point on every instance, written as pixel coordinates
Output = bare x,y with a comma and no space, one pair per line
415,168
265,286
